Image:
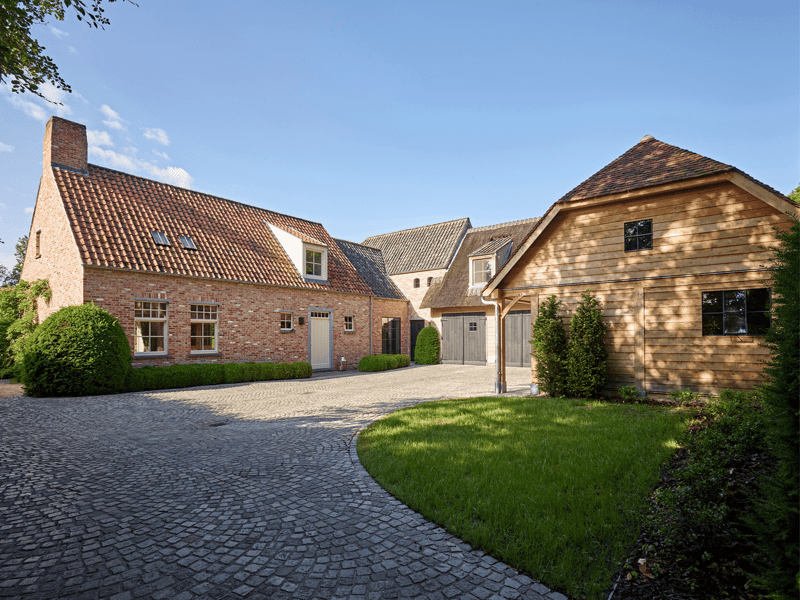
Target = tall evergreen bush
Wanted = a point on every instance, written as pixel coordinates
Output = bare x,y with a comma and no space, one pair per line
777,519
549,345
586,351
428,347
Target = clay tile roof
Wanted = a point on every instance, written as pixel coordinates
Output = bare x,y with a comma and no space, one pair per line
421,248
112,215
454,290
491,246
304,237
369,263
650,163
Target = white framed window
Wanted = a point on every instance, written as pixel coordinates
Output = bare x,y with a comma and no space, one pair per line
150,326
315,262
349,324
204,327
286,321
480,271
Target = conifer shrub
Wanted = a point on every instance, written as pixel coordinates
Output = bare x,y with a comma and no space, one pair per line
777,518
428,347
586,351
549,348
76,351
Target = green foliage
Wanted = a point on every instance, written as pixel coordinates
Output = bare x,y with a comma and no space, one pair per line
390,360
403,360
695,514
372,363
778,514
76,351
586,351
302,370
18,304
21,56
6,359
684,396
549,345
181,376
12,277
629,393
428,347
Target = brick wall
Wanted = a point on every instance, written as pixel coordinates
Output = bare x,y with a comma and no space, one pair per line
249,316
405,281
58,260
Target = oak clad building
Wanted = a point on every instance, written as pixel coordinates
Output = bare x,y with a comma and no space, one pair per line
197,278
675,246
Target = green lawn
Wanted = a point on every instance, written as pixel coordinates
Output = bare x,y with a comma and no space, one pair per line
553,487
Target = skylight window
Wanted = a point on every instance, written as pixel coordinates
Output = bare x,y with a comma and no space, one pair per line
160,238
187,242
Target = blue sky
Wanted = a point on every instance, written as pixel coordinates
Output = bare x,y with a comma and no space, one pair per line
371,117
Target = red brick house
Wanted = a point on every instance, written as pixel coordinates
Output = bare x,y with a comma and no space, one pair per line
198,278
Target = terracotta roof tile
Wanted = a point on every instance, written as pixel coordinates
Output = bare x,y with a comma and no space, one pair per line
113,214
421,248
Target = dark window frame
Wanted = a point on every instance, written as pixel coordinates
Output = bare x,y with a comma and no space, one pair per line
638,235
430,281
736,312
390,335
416,282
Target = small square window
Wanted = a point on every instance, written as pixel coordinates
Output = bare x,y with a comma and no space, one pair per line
348,323
416,282
639,235
286,321
160,238
473,327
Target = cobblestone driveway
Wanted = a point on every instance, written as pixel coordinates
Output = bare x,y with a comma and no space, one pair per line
249,491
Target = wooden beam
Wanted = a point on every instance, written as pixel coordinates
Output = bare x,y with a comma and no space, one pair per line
512,303
638,339
764,195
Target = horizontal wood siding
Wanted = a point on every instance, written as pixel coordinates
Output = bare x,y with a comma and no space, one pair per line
706,239
718,228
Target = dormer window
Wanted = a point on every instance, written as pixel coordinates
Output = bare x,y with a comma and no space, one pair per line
313,263
160,238
480,271
308,255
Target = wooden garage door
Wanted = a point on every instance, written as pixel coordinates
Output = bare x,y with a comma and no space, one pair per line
518,336
464,338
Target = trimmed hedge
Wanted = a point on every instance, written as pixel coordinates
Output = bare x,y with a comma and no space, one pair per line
77,351
428,347
182,376
382,362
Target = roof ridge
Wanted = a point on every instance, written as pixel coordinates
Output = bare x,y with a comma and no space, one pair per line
419,227
506,224
177,187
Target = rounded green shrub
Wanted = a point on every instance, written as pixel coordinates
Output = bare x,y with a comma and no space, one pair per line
302,370
390,360
403,360
77,351
372,363
426,352
284,371
266,371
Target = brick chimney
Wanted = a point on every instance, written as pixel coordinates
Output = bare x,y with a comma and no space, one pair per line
65,144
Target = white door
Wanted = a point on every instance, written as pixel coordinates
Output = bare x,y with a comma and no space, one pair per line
320,343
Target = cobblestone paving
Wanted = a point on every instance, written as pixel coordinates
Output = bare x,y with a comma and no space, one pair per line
247,491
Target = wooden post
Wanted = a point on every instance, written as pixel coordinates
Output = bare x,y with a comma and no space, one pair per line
502,340
534,314
638,340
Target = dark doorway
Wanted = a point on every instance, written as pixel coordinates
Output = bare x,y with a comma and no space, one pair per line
416,327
